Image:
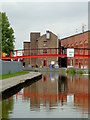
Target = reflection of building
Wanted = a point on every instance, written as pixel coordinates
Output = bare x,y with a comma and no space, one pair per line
42,92
72,90
48,40
78,86
62,84
78,41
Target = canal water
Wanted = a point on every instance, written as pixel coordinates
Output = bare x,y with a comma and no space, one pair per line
53,96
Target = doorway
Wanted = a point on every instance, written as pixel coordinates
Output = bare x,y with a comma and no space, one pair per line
45,63
64,62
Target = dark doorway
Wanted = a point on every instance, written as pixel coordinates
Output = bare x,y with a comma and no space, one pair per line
45,63
64,62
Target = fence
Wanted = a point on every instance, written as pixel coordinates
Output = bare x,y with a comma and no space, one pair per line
10,67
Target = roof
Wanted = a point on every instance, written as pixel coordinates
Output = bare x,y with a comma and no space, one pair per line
75,35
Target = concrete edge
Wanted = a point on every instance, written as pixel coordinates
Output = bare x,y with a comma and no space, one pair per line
20,80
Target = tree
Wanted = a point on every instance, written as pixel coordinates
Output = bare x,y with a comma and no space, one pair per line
7,35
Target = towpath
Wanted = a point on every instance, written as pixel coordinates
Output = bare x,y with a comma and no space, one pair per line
13,81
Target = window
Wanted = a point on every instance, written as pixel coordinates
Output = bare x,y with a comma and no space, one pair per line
44,43
47,35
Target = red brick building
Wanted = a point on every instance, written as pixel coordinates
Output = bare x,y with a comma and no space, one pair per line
81,40
48,40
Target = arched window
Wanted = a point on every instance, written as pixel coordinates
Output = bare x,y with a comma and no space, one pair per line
72,45
85,44
76,45
80,44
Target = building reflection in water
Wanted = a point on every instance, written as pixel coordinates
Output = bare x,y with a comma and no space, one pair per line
54,90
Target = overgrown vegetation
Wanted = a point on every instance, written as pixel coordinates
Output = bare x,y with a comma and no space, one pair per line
89,77
81,72
89,71
36,70
73,71
62,71
9,75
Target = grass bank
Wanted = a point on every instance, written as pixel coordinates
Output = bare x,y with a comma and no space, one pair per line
9,75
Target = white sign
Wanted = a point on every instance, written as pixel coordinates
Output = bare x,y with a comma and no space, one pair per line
19,53
70,52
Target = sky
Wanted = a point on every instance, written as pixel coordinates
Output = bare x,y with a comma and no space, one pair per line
61,18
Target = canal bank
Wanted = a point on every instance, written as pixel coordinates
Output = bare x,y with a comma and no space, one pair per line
8,83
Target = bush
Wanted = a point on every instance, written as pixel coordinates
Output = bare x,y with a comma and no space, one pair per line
89,71
80,72
73,71
62,71
67,71
36,70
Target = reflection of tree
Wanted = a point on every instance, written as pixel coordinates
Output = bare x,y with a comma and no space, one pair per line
7,106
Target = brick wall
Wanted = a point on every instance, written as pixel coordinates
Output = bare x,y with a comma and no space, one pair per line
51,43
77,41
34,45
89,50
26,52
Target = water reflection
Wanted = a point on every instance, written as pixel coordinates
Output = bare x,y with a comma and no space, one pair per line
55,93
7,107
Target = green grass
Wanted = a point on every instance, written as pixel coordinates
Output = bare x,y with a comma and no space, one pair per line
9,75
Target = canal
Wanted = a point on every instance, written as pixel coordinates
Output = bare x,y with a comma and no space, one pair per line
55,95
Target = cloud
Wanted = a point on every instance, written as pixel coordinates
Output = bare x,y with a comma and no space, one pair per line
61,18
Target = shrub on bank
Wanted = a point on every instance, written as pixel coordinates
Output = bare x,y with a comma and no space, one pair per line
73,71
89,71
62,71
67,71
81,72
36,70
